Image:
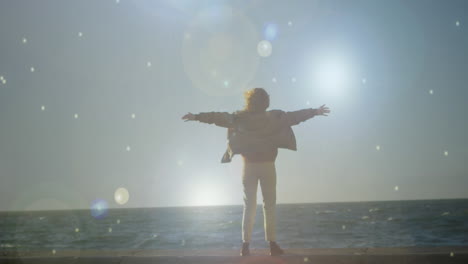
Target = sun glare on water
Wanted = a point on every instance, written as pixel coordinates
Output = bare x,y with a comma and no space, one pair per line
207,195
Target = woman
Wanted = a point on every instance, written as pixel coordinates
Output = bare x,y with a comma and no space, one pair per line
256,134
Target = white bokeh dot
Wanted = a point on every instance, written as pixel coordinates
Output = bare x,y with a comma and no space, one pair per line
133,116
42,107
214,73
343,227
80,34
431,92
457,23
118,221
264,48
76,116
77,230
148,64
452,254
446,153
121,196
117,1
25,40
290,23
54,251
396,188
3,81
364,80
390,219
306,259
32,69
128,148
293,79
110,229
273,80
377,147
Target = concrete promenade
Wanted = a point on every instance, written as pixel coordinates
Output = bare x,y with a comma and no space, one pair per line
426,255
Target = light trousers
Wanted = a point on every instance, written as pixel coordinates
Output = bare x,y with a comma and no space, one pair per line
265,173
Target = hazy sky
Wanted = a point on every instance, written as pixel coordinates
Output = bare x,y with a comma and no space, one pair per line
92,93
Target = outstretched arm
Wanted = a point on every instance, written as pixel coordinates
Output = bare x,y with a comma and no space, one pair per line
222,119
296,117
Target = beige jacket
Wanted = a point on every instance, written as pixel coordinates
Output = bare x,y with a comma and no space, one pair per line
257,132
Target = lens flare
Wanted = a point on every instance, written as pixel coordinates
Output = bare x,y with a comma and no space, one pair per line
121,196
270,31
99,208
220,39
264,48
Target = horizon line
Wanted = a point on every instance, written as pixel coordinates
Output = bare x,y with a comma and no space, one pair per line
220,205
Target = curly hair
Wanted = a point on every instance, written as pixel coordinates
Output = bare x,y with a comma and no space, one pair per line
256,100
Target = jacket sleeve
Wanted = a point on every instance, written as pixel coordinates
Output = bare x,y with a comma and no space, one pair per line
296,117
222,119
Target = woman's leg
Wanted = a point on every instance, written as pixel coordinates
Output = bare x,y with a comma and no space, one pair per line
250,183
268,186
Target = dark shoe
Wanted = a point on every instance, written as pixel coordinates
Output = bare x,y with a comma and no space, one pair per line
275,250
245,249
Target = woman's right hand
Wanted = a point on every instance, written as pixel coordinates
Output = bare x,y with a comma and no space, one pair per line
189,117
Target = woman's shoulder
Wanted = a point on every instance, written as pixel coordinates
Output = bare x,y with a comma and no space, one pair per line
275,113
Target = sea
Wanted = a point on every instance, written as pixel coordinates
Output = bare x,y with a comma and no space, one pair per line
418,223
